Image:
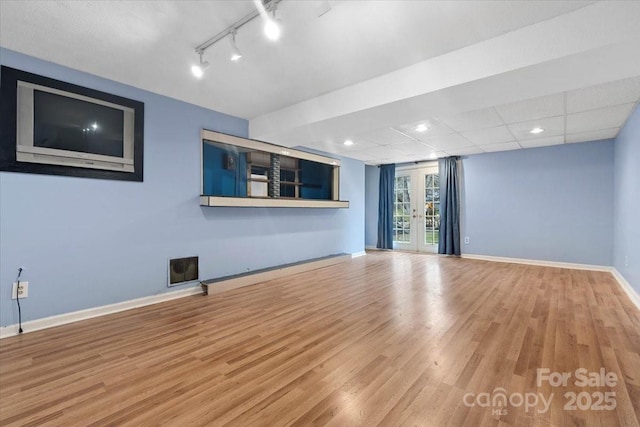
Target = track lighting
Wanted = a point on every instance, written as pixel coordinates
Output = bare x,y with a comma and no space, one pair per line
272,31
235,52
199,69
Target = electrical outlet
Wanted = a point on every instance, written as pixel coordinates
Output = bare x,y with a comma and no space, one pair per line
23,290
466,240
626,261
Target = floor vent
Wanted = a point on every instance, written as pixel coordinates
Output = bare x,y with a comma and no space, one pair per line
182,270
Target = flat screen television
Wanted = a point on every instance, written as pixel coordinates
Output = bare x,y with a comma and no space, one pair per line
66,128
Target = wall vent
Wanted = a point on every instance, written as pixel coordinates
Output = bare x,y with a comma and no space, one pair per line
182,270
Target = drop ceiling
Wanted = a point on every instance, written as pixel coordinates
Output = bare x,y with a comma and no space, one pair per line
480,75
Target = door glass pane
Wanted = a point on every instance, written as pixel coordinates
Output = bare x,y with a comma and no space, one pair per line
431,209
429,181
402,210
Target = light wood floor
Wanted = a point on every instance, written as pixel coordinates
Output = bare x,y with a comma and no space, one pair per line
388,339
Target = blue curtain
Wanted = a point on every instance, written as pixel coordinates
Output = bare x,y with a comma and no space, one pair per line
449,243
385,206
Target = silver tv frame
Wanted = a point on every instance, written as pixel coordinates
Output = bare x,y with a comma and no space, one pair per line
27,152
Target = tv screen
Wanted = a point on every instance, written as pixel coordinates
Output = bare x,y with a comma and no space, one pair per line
70,124
53,127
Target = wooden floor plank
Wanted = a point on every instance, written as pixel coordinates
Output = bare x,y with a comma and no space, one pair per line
388,339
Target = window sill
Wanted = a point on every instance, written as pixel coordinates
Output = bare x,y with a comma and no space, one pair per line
255,202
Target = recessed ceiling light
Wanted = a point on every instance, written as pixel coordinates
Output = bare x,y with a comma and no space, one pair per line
536,130
422,128
433,156
348,142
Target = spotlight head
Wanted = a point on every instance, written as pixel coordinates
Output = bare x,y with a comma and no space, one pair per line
272,30
199,69
235,52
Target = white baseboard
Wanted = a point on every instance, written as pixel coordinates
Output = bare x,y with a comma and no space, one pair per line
62,319
542,263
626,286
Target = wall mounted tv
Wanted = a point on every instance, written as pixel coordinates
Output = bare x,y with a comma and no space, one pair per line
53,127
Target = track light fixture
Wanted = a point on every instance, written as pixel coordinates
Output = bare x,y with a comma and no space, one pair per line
199,69
271,28
235,52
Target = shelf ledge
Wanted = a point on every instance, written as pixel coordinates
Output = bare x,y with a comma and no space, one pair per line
254,202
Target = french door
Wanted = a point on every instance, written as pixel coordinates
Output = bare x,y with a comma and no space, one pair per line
416,213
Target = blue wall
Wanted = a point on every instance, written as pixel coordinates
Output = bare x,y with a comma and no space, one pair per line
371,191
552,203
627,201
86,243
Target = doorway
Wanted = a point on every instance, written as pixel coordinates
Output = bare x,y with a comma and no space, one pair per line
416,210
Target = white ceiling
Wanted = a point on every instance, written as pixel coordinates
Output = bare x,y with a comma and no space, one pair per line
481,74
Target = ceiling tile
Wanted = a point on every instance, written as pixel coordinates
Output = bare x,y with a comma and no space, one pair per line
593,135
403,159
439,155
385,153
605,95
384,136
542,142
413,148
604,118
448,142
477,119
531,109
434,128
501,147
464,151
552,126
362,155
494,135
359,144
